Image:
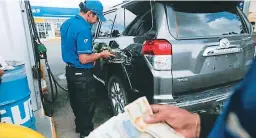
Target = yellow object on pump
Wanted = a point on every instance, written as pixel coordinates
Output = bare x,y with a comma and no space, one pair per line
17,131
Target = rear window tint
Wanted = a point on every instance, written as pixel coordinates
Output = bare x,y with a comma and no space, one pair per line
195,21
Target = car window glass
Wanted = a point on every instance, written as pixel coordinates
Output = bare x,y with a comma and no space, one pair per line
142,25
118,27
130,25
142,19
105,30
122,19
129,17
198,22
93,29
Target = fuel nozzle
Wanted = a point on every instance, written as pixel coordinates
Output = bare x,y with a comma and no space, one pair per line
120,56
42,51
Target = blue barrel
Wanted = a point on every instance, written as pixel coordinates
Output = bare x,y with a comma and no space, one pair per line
15,102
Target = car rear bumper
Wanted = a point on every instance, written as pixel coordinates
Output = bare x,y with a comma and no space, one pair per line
205,104
206,100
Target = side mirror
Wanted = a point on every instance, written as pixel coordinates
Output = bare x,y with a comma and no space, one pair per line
115,33
113,44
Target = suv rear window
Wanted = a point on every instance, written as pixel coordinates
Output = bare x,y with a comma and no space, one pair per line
207,19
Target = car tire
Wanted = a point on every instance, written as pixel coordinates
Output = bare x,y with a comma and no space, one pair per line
117,94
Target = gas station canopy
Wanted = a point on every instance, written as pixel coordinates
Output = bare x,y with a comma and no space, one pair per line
39,11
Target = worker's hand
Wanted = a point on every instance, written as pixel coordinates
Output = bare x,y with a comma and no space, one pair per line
182,121
1,73
106,54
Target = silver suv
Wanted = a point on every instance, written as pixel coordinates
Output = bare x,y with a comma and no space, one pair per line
190,54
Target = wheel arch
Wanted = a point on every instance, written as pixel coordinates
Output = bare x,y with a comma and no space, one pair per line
118,70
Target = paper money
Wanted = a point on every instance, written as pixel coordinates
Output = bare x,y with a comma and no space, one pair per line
118,127
102,131
138,109
130,124
162,130
126,127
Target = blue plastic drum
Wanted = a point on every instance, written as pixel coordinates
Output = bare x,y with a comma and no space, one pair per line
15,102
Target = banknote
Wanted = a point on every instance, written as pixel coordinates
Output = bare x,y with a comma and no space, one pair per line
162,130
125,126
102,130
138,109
130,124
118,127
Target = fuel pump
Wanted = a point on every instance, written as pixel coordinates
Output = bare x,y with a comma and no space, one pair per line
49,95
21,50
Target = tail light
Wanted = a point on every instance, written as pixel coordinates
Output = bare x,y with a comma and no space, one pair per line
158,53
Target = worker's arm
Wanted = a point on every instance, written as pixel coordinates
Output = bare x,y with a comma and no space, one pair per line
88,58
84,48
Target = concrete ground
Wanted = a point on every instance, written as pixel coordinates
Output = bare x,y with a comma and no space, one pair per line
64,118
63,115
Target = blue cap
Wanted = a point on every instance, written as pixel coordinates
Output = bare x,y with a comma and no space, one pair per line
96,7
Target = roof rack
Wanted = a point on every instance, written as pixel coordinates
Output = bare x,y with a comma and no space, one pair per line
112,8
122,3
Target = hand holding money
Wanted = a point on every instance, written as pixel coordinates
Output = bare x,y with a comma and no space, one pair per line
131,124
141,108
180,120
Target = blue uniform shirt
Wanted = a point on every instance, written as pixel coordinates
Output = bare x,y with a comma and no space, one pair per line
76,39
239,117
